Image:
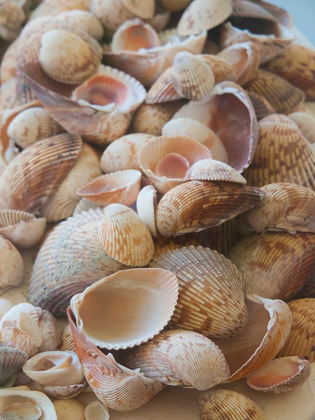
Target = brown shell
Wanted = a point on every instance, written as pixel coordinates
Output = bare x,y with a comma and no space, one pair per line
222,70
280,14
308,290
11,361
262,107
163,89
9,62
306,123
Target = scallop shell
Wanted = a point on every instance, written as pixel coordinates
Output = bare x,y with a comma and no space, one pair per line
68,410
51,333
125,237
146,208
55,7
120,388
262,107
5,306
13,313
12,266
301,341
9,63
280,375
20,339
85,21
96,411
296,64
28,325
306,124
11,361
202,205
156,289
67,340
180,358
84,205
223,403
22,410
222,70
202,16
230,114
286,207
214,170
163,89
265,333
117,187
112,13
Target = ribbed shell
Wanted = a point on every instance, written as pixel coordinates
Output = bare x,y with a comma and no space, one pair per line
85,21
69,410
11,361
140,8
306,123
9,62
21,340
112,13
67,340
301,339
222,70
66,392
198,205
146,207
211,291
125,237
214,170
50,332
261,105
54,7
163,89
84,205
11,265
13,314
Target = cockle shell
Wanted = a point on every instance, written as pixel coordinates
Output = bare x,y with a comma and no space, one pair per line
175,5
23,410
306,124
265,333
11,361
112,13
85,21
160,19
55,7
163,89
180,358
214,170
9,62
96,411
12,17
262,107
9,97
12,266
13,313
139,8
301,340
69,410
226,404
205,277
67,340
28,325
5,306
308,290
204,204
146,208
286,207
125,237
280,14
222,70
280,375
84,205
117,187
99,304
20,339
51,334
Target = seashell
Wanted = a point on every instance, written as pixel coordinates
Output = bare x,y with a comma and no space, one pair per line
27,324
223,403
265,333
175,5
146,208
21,379
161,18
201,16
21,228
134,35
124,236
163,89
282,15
139,8
120,388
281,95
286,207
96,411
296,64
122,153
13,313
12,266
26,189
244,58
169,359
11,361
12,18
67,340
85,21
230,114
9,63
50,330
112,13
5,306
117,187
63,392
32,125
70,259
221,68
22,410
301,341
56,7
200,273
262,107
306,124
203,205
186,127
164,166
84,205
292,159
156,289
308,290
9,97
280,375
213,170
20,339
72,409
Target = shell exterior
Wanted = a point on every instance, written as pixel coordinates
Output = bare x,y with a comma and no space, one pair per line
85,21
163,89
306,124
125,237
139,8
9,63
180,358
112,13
12,266
28,325
300,341
203,204
72,409
55,7
262,107
146,208
84,205
67,340
13,313
223,403
161,18
214,170
23,410
266,331
51,333
280,375
280,14
5,306
96,411
221,68
20,339
175,5
64,392
11,361
156,289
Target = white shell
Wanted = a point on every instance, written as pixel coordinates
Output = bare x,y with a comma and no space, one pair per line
96,411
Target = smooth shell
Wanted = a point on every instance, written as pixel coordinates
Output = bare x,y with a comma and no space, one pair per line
12,266
85,21
5,306
146,208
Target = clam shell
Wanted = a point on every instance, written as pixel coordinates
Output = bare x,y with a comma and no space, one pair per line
9,63
223,403
84,205
262,107
28,325
50,330
68,410
201,16
125,237
67,340
202,205
112,13
163,89
120,388
221,69
11,361
85,21
180,358
117,187
22,410
301,341
156,289
55,7
306,124
20,339
214,170
96,411
265,333
5,306
140,8
12,266
146,208
280,375
13,313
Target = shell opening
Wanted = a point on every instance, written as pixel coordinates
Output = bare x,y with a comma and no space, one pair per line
172,165
135,37
257,26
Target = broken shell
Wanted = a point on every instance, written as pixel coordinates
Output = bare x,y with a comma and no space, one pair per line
67,340
69,410
180,358
213,170
301,341
280,375
164,166
85,21
96,411
156,289
201,16
5,306
306,124
12,266
262,107
112,13
203,204
22,410
51,334
54,368
27,324
9,63
13,314
125,237
117,187
20,339
11,361
222,70
264,335
223,403
146,208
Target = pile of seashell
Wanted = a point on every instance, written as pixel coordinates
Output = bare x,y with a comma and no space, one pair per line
158,156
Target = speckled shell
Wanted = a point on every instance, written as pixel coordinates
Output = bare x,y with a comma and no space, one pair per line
301,340
5,306
214,170
146,208
85,21
125,237
222,70
68,410
262,107
223,403
306,124
9,62
20,339
200,273
12,266
11,361
51,333
180,358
